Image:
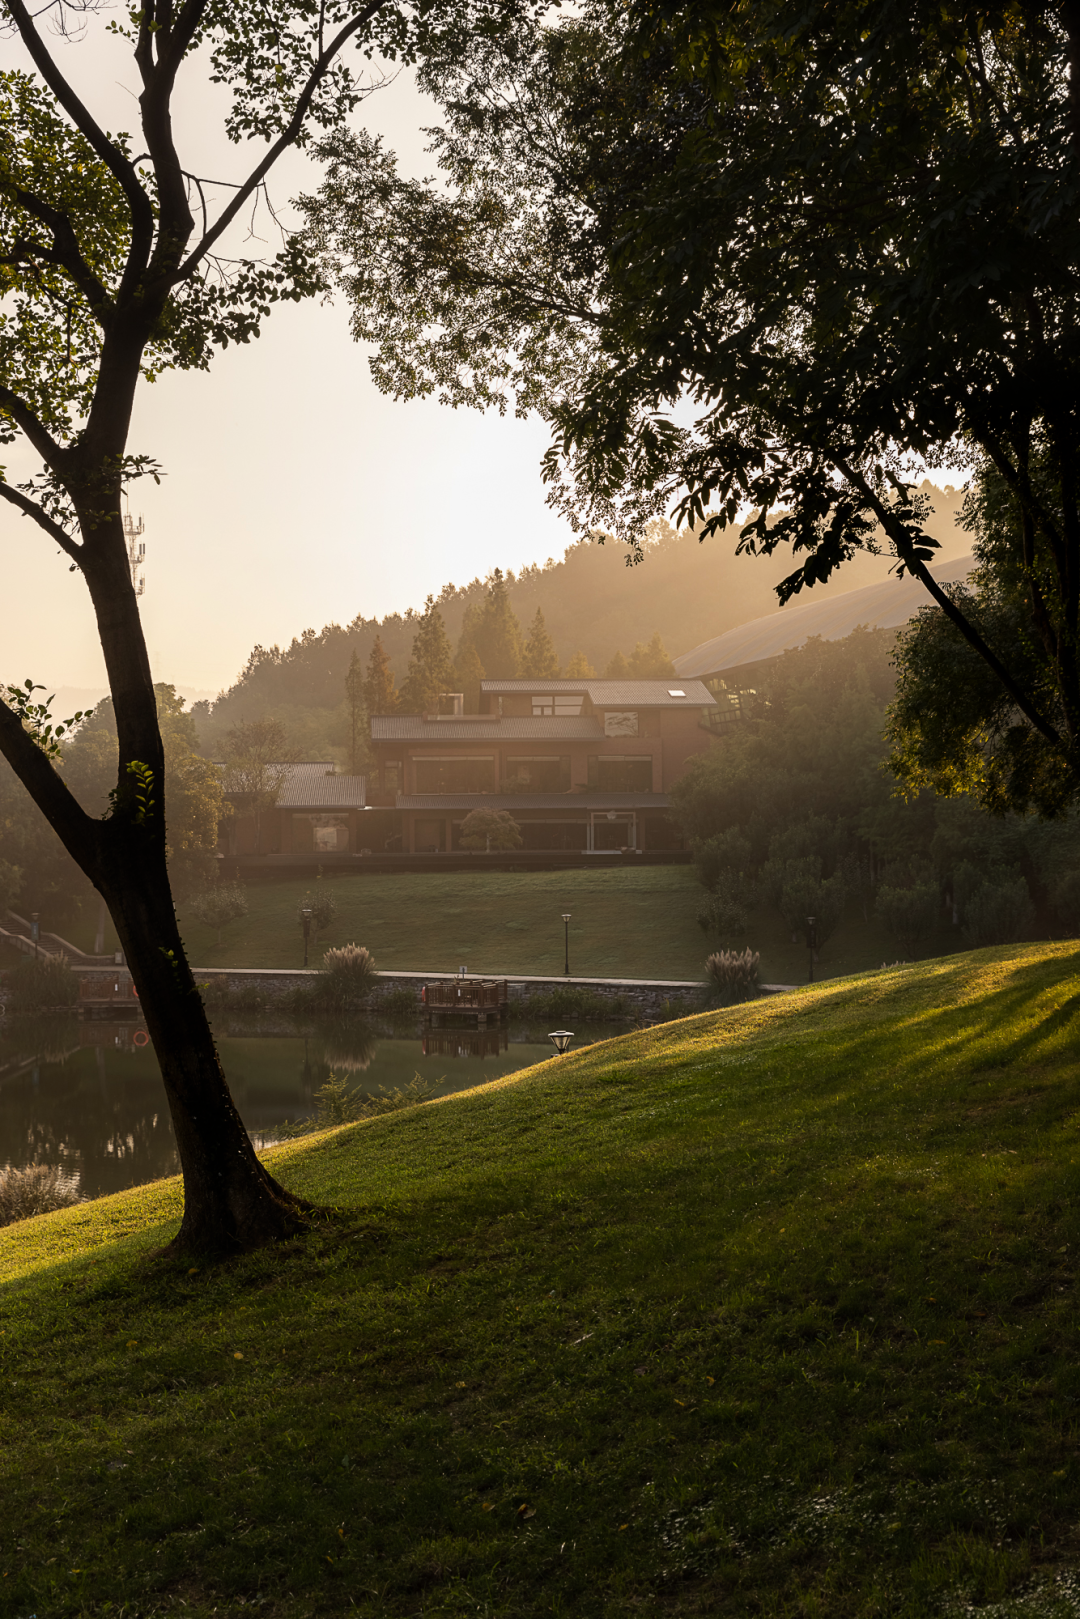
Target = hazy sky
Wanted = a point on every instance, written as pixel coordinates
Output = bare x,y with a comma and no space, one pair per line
296,494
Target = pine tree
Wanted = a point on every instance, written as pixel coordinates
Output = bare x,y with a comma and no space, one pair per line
354,696
541,661
380,696
579,668
497,633
651,662
468,673
617,669
431,664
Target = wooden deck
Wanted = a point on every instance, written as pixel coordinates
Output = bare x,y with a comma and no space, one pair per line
474,1000
109,993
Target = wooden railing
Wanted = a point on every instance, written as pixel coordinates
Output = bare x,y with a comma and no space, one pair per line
466,995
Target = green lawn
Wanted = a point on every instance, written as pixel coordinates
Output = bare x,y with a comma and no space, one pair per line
769,1311
625,924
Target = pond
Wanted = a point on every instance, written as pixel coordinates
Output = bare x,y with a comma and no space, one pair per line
86,1095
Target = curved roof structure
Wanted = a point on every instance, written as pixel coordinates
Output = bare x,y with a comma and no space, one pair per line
883,606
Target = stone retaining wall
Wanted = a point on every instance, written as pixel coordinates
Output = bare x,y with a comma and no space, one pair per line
648,997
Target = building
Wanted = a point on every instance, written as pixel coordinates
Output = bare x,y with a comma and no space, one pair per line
301,809
581,765
726,664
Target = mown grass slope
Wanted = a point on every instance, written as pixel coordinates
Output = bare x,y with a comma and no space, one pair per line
767,1311
626,922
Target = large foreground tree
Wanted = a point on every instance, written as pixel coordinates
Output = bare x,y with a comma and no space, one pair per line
115,266
774,255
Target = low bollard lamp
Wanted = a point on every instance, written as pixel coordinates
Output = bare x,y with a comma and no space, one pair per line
560,1039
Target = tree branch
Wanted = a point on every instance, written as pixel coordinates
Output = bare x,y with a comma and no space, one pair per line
284,140
915,565
65,251
35,430
30,508
80,834
142,213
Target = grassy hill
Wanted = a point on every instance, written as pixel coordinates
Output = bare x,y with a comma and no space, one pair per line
628,923
764,1312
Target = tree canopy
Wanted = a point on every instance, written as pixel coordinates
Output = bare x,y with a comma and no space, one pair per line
844,239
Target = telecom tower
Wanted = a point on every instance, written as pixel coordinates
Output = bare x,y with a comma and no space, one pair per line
136,551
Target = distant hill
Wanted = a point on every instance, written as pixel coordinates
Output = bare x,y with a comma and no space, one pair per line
592,602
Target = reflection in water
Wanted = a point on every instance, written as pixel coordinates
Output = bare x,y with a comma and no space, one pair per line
86,1095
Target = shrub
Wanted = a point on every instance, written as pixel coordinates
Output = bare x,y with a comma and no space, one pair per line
323,908
572,1002
36,1190
998,912
337,1102
726,910
219,905
908,914
735,974
42,981
348,974
399,1001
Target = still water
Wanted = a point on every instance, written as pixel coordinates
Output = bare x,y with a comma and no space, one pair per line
87,1095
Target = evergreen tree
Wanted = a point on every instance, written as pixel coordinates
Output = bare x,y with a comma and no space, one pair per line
579,668
651,662
618,669
541,661
468,673
380,696
497,633
354,697
431,664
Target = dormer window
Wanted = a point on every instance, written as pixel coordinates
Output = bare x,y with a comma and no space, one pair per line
545,705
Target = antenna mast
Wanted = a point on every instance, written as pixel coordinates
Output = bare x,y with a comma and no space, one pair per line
136,551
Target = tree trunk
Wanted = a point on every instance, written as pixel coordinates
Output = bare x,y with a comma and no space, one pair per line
231,1202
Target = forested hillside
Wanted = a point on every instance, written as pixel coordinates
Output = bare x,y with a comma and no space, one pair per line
592,604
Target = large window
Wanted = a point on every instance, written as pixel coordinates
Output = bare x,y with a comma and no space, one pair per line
456,773
538,773
621,772
320,834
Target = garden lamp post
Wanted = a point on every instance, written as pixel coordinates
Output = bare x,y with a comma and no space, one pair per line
811,942
305,917
560,1039
566,941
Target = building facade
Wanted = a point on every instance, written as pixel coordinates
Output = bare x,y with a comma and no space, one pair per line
581,765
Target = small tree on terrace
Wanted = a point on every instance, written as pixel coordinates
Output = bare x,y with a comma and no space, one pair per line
490,829
117,264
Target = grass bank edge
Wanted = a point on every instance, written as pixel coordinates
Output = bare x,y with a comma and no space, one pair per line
132,1223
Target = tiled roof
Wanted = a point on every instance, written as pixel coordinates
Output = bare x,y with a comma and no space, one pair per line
473,728
583,802
883,606
610,693
313,784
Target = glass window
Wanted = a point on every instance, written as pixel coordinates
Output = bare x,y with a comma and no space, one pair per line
566,706
393,780
621,772
456,773
538,773
429,837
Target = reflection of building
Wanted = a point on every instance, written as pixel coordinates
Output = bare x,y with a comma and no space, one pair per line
315,811
581,765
